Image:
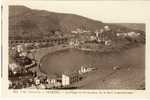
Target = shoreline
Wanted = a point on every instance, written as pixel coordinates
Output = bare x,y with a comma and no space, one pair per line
115,74
42,52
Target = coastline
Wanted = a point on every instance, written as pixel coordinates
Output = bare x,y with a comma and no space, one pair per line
118,73
41,52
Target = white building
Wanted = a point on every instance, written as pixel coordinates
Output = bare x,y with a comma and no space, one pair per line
133,34
24,54
10,83
20,48
37,81
70,78
107,28
85,69
97,33
92,38
75,32
65,80
108,42
129,34
13,66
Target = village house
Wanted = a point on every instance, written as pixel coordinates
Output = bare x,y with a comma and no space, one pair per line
133,34
14,68
106,28
20,48
128,34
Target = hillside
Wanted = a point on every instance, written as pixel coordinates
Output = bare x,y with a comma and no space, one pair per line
26,23
135,26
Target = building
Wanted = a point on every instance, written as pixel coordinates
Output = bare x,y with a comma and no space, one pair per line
108,42
74,42
37,81
92,38
106,28
14,68
53,81
20,48
23,54
129,34
65,80
133,34
10,83
87,69
70,78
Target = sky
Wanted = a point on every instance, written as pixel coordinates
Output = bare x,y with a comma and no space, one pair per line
105,11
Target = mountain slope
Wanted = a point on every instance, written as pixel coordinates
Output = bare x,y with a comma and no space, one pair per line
134,26
26,23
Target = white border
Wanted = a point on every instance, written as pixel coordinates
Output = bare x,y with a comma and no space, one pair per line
95,93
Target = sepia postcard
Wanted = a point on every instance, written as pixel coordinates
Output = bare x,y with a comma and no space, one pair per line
75,47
